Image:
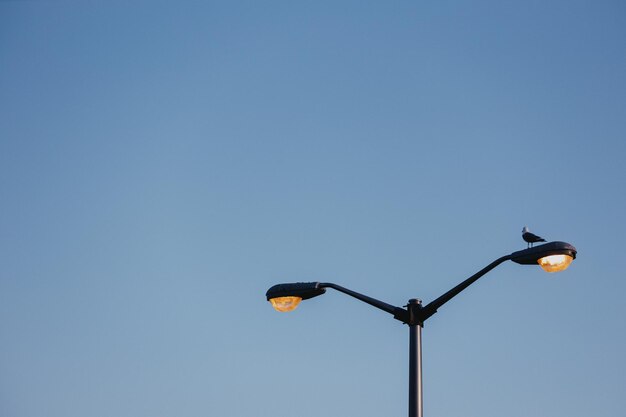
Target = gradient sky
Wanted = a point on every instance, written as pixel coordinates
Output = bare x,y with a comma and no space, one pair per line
162,164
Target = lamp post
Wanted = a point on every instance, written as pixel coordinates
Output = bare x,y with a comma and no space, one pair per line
552,257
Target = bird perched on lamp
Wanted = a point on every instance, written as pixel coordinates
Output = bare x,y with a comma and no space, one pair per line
530,238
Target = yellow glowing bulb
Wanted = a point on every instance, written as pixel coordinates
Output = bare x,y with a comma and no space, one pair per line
555,263
285,304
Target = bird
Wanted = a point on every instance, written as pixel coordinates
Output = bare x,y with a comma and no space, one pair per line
530,238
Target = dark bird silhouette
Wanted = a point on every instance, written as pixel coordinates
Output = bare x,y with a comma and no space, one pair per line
530,238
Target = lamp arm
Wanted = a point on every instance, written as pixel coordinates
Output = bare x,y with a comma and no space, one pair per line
431,308
398,313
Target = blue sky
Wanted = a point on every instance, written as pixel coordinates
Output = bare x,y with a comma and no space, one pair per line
163,164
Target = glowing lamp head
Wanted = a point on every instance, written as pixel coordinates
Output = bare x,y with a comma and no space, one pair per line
286,297
285,304
552,257
555,263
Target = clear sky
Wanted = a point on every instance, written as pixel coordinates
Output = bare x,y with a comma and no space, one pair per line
162,164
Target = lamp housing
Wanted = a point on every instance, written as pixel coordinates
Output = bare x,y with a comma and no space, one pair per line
304,290
552,257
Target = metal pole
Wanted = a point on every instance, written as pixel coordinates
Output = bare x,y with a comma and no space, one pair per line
415,370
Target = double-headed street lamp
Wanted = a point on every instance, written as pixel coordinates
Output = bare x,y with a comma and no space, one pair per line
552,257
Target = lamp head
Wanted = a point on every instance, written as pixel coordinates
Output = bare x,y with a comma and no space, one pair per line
552,257
286,297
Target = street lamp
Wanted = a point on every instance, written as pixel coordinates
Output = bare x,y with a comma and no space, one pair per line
552,257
